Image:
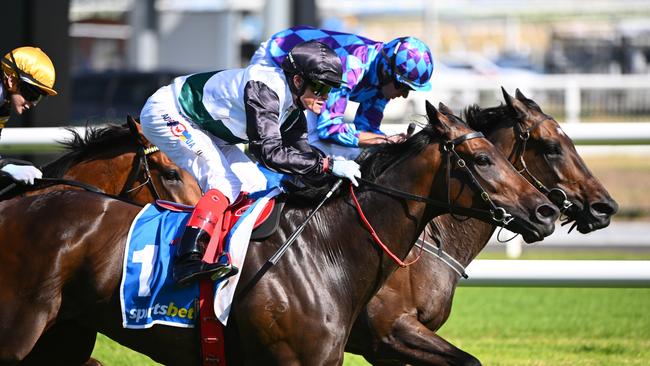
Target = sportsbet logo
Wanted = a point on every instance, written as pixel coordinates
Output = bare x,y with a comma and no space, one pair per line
170,310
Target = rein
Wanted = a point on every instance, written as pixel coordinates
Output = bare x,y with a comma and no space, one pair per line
139,162
497,214
376,238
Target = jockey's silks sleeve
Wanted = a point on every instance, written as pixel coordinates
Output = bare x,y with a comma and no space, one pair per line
286,152
359,57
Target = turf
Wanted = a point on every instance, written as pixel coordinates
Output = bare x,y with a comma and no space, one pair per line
525,326
549,326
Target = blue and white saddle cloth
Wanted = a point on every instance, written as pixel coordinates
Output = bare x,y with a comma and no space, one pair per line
148,295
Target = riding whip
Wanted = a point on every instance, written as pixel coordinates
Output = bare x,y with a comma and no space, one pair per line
276,257
280,252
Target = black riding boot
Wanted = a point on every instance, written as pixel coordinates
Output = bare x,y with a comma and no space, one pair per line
188,262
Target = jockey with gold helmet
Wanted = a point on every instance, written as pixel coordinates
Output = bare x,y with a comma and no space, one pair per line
27,77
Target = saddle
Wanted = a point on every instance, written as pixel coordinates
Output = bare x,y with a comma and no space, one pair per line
265,225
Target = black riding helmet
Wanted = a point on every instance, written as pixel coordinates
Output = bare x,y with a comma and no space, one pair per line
314,61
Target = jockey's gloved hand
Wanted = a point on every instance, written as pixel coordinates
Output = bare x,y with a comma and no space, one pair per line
24,174
347,169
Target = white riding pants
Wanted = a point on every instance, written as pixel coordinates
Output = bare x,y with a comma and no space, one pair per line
214,163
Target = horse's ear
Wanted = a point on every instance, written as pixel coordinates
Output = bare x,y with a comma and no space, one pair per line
507,97
436,119
520,95
514,105
136,130
431,110
444,109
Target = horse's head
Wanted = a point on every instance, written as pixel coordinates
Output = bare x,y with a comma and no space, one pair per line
480,177
121,161
546,156
170,182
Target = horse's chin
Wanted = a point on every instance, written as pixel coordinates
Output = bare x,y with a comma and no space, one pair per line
532,237
528,231
585,226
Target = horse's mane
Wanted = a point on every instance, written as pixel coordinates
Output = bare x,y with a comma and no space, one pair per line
79,148
373,161
486,119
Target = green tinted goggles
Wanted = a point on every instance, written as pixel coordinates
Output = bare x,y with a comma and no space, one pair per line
319,89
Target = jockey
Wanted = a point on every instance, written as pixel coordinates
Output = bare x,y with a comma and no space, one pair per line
198,119
373,72
27,77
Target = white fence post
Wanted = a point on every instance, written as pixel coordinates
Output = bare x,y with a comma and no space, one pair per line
572,102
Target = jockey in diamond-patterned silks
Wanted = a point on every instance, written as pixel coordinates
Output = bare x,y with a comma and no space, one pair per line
374,73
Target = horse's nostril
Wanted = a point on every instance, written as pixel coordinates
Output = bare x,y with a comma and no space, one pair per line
604,208
547,212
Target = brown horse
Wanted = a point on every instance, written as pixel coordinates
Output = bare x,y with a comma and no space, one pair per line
398,325
299,311
120,161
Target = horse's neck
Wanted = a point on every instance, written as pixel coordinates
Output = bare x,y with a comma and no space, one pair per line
106,174
344,245
504,137
463,240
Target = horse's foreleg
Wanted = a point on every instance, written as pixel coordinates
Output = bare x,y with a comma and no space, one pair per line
20,328
65,343
413,343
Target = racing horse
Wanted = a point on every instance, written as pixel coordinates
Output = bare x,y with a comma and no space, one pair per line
118,160
398,326
299,311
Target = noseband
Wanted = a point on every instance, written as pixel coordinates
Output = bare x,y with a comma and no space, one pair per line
139,162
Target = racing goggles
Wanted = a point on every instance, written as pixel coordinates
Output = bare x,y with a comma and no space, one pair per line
30,92
319,89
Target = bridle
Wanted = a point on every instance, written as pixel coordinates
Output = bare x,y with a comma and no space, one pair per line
139,162
556,195
498,214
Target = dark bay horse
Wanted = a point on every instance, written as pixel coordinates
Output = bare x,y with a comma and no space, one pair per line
398,326
63,258
120,161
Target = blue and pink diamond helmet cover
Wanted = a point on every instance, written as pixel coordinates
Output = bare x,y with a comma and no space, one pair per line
410,61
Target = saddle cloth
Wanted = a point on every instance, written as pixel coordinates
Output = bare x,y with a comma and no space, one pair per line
148,295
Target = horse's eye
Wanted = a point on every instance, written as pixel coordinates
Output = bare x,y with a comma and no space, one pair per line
552,148
172,174
482,160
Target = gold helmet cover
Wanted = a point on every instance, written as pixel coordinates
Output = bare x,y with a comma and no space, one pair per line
32,66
